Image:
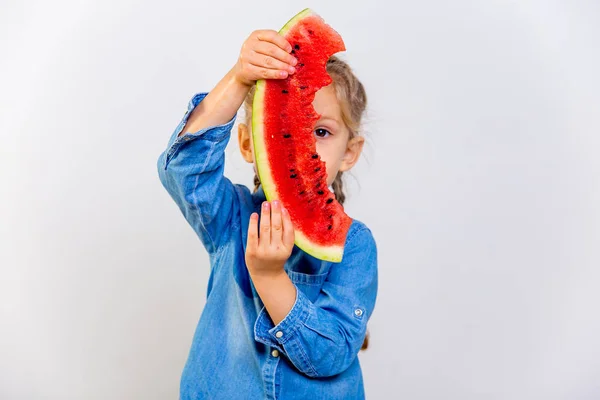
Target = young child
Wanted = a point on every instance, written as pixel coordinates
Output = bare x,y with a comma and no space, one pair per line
278,323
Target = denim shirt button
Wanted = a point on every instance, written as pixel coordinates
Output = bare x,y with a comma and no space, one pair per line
279,334
358,312
275,353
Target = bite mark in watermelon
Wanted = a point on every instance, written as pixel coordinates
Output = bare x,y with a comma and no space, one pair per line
283,119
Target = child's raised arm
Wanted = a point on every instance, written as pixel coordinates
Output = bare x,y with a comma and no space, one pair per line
191,168
264,55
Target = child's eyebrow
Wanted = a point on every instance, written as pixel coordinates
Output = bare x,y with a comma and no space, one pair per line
327,118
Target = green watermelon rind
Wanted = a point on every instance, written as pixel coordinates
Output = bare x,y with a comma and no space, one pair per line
327,253
290,24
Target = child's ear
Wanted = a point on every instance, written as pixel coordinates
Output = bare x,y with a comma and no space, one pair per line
245,143
352,153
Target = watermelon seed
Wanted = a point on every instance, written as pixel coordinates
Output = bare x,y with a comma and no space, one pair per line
284,91
331,216
297,47
293,51
287,135
329,227
315,156
292,170
293,176
317,169
301,65
303,87
302,192
310,32
320,192
329,201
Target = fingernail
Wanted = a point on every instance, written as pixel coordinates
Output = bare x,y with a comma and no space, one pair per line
275,204
265,204
294,61
284,210
283,74
292,70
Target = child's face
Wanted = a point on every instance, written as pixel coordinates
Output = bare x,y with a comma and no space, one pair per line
334,145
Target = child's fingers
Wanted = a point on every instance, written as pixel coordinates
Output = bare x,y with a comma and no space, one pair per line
261,60
265,73
265,224
274,37
276,223
252,242
276,53
288,229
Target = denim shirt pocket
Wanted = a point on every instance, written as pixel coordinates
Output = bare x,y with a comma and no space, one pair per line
309,284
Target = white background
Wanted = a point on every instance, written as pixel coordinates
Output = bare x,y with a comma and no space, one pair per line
480,183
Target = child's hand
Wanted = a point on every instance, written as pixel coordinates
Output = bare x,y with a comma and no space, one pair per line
266,255
264,55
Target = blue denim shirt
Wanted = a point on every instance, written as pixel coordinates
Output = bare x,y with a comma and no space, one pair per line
237,351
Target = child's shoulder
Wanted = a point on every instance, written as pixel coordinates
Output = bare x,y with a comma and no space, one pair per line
360,235
359,263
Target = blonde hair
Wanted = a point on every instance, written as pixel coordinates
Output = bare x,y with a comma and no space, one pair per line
352,97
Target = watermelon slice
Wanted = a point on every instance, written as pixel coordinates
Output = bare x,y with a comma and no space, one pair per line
283,120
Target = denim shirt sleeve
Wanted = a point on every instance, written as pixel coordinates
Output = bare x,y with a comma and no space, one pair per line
191,170
322,338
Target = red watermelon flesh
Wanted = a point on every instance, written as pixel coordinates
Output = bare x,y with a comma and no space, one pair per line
283,121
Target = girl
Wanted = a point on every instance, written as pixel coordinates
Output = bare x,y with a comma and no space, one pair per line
278,323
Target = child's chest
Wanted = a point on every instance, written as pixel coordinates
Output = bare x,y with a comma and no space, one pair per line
307,273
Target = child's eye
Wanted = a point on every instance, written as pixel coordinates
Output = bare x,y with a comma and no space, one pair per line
322,132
